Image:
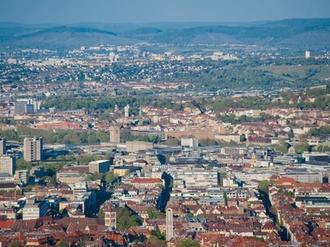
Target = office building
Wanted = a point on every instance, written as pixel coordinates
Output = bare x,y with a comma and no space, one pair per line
26,106
100,166
316,157
190,178
7,165
79,189
189,142
34,210
134,146
33,149
114,134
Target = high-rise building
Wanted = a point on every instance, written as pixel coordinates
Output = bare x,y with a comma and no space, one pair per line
307,54
169,224
33,149
2,146
7,165
115,134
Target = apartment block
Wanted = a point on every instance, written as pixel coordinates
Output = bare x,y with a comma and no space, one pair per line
33,149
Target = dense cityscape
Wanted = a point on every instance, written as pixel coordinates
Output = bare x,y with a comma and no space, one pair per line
123,135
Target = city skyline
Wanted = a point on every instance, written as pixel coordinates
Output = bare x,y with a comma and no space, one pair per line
146,11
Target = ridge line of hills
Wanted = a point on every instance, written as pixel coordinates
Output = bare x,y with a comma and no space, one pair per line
291,33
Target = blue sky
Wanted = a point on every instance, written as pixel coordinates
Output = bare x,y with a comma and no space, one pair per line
144,11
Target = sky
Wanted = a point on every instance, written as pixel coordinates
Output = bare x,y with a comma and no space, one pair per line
146,11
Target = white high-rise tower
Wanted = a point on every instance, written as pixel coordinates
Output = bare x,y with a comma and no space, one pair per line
126,109
169,224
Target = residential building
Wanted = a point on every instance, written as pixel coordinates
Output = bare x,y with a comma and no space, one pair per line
22,175
8,213
33,148
109,215
2,146
7,165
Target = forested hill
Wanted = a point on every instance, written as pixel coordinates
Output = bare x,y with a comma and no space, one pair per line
294,33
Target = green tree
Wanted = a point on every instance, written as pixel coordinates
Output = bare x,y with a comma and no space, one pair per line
289,194
150,213
188,243
63,243
15,245
155,214
207,142
95,176
71,138
157,242
110,177
22,164
172,141
101,214
264,186
301,147
282,146
225,197
323,130
259,239
85,159
125,219
322,148
158,235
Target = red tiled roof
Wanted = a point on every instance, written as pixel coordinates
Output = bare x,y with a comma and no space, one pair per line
62,125
6,224
147,180
284,180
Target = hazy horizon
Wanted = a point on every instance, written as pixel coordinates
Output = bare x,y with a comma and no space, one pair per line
152,11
